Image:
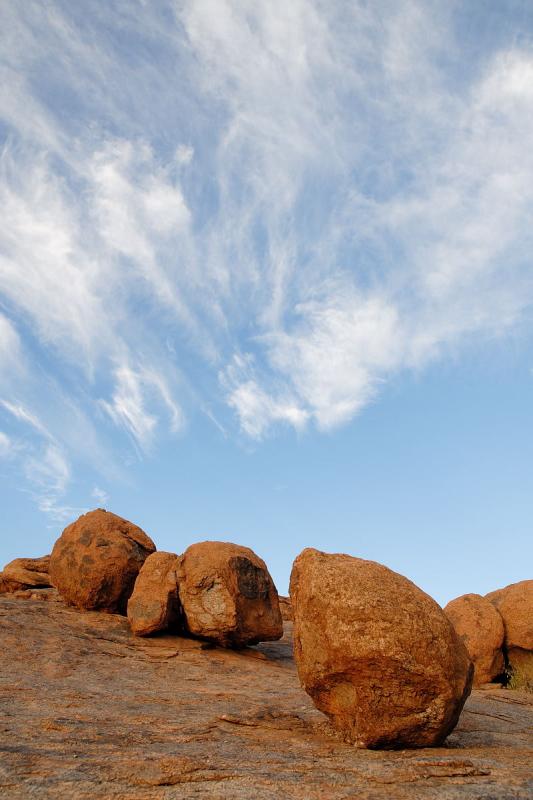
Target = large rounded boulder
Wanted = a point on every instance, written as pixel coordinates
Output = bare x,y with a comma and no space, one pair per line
227,595
376,654
515,604
154,605
96,560
480,626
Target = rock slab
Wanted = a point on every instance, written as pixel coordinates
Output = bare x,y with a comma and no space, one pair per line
376,654
25,573
91,712
154,604
96,560
480,626
227,595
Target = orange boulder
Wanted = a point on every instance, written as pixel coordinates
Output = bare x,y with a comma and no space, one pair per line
96,560
154,604
376,654
25,573
227,595
515,604
480,626
286,608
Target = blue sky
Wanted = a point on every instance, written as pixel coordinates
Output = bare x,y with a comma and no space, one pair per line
266,276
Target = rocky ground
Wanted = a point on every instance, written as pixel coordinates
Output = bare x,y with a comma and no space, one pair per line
89,711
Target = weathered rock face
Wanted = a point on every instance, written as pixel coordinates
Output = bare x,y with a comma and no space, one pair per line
375,653
25,573
286,608
154,604
96,560
480,626
30,571
515,604
227,595
90,712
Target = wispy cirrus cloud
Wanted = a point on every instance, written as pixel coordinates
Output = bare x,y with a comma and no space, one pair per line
263,209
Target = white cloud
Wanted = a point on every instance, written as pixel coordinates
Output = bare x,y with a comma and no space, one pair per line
184,154
257,409
100,496
5,445
27,417
323,187
49,469
10,346
130,402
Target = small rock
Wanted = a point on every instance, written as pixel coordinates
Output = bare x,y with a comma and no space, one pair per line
227,595
25,573
154,604
376,654
96,560
480,626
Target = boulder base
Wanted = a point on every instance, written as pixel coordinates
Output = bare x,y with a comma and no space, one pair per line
227,595
375,653
154,604
480,626
96,560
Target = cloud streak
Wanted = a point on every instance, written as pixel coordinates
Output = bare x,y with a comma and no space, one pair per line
263,209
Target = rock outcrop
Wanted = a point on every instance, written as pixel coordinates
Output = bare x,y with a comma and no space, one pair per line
286,608
25,573
90,712
154,604
377,655
478,623
227,595
96,560
515,604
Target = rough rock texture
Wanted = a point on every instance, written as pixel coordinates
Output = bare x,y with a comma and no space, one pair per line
376,654
154,604
96,560
25,573
90,712
480,626
29,571
515,604
286,608
227,595
8,585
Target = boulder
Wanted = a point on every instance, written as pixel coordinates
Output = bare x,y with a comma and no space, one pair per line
8,585
29,571
515,604
227,595
285,608
25,573
154,604
480,626
96,560
376,654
